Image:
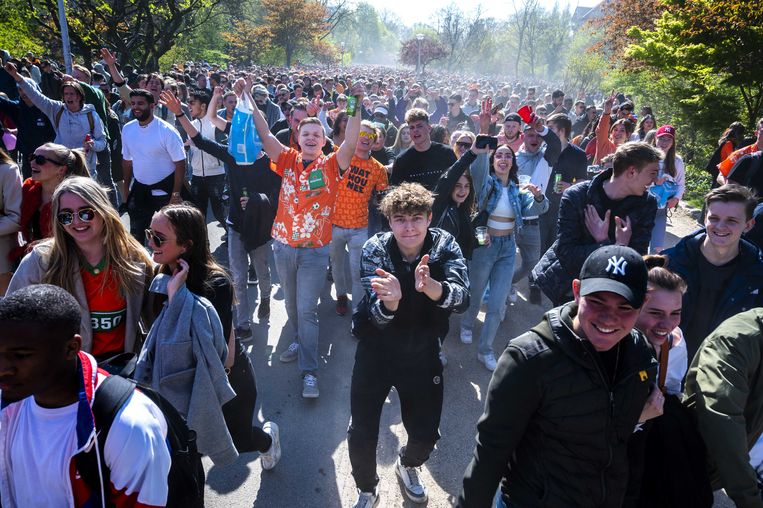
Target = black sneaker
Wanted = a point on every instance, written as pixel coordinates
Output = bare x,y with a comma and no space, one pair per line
243,334
535,297
263,311
252,276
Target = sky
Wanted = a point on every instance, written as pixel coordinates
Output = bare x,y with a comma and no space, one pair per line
423,10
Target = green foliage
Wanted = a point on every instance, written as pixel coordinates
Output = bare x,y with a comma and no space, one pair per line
16,34
698,183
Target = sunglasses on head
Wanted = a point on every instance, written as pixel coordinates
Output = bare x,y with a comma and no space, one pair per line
41,160
153,237
85,214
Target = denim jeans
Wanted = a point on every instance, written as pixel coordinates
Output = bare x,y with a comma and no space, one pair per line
206,189
238,259
658,232
493,264
302,272
528,242
353,239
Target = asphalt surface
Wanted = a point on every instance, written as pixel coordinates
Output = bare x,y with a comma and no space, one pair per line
314,470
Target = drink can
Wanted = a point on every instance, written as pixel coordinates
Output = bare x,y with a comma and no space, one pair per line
352,104
557,180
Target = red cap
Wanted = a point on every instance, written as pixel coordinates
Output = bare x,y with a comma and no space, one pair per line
666,130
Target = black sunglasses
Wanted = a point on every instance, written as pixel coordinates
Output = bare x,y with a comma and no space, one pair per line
41,160
85,214
464,144
153,237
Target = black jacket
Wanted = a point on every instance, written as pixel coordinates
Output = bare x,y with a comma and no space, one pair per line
555,429
34,126
562,262
446,215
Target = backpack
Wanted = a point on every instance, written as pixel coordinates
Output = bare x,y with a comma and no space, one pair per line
186,476
89,120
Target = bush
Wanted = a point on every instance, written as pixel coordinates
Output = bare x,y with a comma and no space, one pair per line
698,183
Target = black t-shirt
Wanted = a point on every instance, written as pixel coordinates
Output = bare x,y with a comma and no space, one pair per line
572,165
219,292
712,281
748,171
384,156
422,167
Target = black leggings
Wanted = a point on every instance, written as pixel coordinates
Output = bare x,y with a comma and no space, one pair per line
419,385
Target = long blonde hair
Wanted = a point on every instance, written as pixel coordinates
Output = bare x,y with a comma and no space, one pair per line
399,146
126,257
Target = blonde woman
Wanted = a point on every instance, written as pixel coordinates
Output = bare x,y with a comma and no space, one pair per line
10,213
95,258
403,140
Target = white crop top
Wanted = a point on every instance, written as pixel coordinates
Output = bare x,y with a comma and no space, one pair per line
502,218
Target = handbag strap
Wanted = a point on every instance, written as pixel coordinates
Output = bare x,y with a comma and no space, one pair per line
664,353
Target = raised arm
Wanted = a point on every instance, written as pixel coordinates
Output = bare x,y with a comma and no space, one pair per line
45,104
116,76
218,122
347,149
270,144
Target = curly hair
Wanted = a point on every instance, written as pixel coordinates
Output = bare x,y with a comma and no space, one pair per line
407,198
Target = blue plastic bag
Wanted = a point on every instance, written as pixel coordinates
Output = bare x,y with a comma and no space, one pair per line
664,192
244,144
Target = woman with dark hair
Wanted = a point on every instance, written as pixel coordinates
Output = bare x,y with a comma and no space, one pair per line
730,141
671,175
51,164
10,214
499,195
439,134
179,239
646,124
338,130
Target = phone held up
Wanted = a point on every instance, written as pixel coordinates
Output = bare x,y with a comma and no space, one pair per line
483,141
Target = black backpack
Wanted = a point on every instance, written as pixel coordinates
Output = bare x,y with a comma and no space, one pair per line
186,476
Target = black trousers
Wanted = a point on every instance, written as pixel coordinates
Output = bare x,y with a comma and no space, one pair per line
419,384
209,189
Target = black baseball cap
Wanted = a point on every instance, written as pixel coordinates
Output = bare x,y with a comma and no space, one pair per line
615,269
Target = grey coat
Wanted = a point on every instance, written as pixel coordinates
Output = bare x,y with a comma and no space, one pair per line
182,359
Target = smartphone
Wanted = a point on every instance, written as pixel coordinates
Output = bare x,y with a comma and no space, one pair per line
496,108
486,141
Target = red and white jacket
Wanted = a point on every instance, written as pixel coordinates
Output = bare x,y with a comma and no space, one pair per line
136,450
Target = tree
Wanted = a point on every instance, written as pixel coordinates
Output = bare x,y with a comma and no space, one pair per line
140,31
460,33
16,34
246,41
431,49
526,13
618,16
295,24
704,43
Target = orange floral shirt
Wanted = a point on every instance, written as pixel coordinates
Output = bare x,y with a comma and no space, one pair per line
306,201
363,177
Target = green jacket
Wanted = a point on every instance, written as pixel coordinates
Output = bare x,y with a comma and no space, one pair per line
725,388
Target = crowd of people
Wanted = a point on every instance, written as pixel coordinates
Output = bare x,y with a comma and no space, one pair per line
418,197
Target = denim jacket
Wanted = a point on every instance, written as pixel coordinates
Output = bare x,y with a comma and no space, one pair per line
523,202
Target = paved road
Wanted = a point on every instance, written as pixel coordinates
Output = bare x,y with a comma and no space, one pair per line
315,468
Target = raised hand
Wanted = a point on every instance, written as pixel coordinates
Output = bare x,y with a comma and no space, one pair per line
422,274
623,230
173,103
599,228
609,102
485,115
178,278
11,69
108,57
387,289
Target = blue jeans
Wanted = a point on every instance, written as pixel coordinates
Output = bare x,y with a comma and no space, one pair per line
303,273
528,242
353,240
658,232
494,264
238,259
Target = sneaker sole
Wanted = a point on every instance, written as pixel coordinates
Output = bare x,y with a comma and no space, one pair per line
310,395
288,359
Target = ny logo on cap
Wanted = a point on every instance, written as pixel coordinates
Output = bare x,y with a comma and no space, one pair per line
616,265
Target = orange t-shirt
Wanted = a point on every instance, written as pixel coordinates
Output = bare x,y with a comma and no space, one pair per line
728,163
108,309
363,177
306,200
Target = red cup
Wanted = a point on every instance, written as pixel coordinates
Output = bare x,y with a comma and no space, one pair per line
526,114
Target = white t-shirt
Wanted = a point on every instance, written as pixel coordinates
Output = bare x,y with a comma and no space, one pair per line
135,452
48,436
202,163
153,150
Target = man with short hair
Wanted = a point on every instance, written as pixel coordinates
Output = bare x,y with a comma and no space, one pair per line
613,208
414,278
424,161
48,388
270,109
472,104
380,118
557,104
152,154
583,120
567,395
288,136
457,118
723,272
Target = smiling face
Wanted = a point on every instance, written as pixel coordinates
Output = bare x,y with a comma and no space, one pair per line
169,251
603,318
410,231
511,129
82,232
230,103
664,143
49,171
311,140
725,222
660,315
141,109
618,135
502,162
366,139
640,181
648,124
461,190
462,145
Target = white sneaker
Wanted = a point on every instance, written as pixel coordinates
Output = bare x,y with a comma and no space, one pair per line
466,336
488,361
310,387
414,489
513,296
270,458
367,499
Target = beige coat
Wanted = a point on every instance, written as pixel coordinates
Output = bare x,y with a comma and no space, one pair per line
33,267
10,212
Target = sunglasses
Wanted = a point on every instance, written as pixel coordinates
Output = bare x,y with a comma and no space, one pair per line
40,160
153,237
464,144
85,214
364,134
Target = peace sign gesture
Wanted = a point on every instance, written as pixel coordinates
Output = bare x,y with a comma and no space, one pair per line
485,115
